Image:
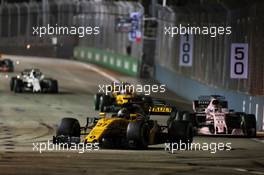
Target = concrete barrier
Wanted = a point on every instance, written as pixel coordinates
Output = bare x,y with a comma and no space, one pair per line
191,89
121,63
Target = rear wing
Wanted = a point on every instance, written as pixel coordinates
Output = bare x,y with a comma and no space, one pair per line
201,105
160,110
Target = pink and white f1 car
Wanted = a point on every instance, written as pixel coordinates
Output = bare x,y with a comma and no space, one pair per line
212,117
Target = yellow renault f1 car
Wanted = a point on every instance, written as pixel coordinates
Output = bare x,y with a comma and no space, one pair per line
129,127
121,95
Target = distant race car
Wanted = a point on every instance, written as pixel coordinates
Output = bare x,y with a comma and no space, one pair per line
32,80
130,127
212,117
6,65
122,98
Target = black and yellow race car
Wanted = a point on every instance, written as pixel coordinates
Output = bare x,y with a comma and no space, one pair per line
129,127
116,99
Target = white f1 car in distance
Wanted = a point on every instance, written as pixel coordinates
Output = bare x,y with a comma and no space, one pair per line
212,117
32,80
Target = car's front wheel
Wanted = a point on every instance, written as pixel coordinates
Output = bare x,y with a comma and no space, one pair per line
138,134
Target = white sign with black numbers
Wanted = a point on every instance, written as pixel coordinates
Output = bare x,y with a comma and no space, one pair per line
239,61
186,50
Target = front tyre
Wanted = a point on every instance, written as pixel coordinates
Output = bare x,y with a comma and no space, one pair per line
104,102
249,125
138,134
69,130
97,101
12,81
54,87
180,132
18,85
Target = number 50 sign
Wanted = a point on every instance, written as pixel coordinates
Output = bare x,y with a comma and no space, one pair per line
239,61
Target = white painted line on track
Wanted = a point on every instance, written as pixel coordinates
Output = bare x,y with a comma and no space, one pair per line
258,140
101,72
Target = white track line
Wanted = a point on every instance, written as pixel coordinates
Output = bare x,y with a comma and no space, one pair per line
101,72
258,140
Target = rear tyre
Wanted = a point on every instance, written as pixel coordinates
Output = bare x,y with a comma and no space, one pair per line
138,134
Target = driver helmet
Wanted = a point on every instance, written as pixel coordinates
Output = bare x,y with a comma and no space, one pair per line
123,113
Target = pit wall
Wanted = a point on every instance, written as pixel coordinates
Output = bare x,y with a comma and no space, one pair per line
117,62
190,89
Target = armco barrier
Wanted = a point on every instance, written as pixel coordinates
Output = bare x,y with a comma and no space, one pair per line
190,89
121,63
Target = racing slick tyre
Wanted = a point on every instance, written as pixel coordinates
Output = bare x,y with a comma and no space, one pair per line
97,101
69,127
182,116
18,85
180,132
49,85
249,125
147,99
138,134
54,86
12,83
105,101
186,116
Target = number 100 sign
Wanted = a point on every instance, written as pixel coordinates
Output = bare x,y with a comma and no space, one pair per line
239,61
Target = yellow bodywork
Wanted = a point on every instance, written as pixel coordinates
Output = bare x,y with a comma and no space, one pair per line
123,98
106,126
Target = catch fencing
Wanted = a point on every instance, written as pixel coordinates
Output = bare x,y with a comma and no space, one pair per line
211,55
18,19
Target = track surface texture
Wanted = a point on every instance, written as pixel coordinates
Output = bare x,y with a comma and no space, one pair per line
33,118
